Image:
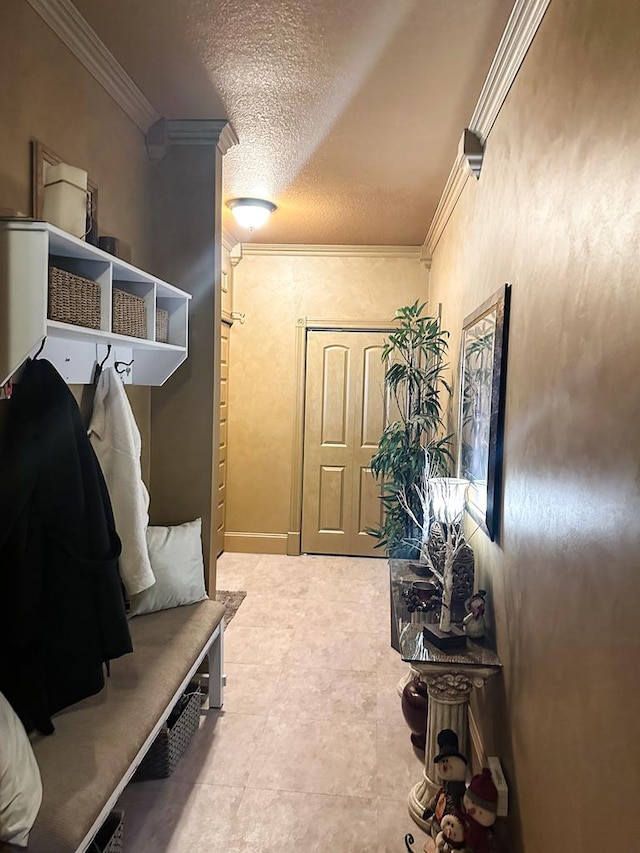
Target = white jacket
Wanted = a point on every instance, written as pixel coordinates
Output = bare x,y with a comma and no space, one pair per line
115,438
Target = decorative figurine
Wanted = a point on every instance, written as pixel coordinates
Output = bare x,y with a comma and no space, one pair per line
451,835
451,769
473,623
480,805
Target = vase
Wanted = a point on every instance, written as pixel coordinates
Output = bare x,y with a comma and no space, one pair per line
414,710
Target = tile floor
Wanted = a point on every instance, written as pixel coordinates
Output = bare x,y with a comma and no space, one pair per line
310,752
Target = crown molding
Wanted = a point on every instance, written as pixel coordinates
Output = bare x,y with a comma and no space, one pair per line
330,251
74,31
235,255
197,131
228,240
473,150
189,131
516,40
458,177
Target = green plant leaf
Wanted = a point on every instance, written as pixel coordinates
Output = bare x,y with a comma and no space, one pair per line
413,357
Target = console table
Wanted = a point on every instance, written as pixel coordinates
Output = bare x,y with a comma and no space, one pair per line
450,677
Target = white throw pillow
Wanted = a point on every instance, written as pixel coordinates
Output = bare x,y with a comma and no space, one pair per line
20,783
176,561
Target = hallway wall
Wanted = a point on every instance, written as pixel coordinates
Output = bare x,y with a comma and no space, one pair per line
46,94
556,213
273,290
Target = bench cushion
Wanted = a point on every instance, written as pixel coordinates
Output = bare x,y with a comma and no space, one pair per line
96,740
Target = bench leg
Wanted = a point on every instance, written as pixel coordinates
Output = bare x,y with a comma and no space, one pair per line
216,675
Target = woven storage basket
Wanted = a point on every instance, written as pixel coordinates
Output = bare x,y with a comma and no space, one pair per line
172,741
73,299
162,325
109,837
129,314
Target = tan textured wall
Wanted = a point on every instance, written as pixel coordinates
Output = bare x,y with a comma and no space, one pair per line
557,213
273,292
47,95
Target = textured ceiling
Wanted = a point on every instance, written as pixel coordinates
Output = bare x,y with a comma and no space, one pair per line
348,112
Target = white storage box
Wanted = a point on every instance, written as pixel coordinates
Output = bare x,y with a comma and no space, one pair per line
65,198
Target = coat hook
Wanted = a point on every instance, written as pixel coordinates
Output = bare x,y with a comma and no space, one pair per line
121,365
98,370
40,348
102,363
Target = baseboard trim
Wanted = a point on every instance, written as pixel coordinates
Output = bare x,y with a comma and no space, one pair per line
256,543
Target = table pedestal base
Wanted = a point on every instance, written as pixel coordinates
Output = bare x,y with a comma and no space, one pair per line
419,797
450,676
448,709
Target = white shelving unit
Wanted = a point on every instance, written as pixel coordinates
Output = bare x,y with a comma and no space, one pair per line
27,249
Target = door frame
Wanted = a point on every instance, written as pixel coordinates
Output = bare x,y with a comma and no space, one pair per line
304,325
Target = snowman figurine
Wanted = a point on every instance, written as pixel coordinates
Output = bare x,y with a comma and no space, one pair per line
480,805
451,835
473,623
451,770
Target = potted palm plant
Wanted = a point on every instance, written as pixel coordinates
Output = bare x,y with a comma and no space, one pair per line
414,363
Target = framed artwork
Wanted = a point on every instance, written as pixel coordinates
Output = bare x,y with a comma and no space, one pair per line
41,156
483,360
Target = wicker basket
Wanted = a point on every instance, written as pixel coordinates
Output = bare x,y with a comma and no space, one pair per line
109,837
173,739
162,325
73,299
129,314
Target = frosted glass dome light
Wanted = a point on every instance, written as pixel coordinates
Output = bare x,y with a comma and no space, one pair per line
251,213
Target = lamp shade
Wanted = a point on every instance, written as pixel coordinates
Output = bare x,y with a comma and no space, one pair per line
447,498
251,213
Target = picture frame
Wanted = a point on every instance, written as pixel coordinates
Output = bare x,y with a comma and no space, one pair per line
483,360
42,156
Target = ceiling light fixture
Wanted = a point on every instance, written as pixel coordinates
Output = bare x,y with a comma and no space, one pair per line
251,213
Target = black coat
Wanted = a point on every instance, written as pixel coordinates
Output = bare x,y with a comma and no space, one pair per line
62,612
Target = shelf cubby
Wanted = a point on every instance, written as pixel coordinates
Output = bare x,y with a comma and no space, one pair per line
27,250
